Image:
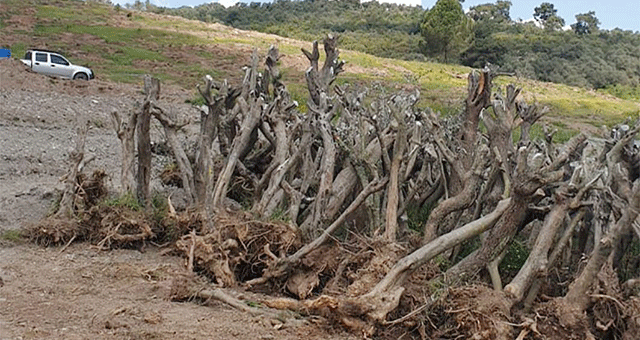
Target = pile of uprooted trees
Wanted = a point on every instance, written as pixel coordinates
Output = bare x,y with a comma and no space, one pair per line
342,178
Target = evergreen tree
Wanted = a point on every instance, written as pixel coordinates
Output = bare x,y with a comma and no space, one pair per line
586,23
446,29
547,16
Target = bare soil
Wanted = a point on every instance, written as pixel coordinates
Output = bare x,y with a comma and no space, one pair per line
122,294
80,292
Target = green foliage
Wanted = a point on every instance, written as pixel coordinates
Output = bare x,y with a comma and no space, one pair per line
598,59
442,262
300,94
564,135
547,15
127,200
437,287
253,304
630,262
498,12
467,247
417,217
514,259
586,23
280,215
196,100
490,19
160,207
446,29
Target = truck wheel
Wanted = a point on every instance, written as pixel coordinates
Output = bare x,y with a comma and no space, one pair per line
81,76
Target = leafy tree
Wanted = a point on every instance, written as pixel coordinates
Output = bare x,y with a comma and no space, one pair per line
586,23
489,21
547,16
543,12
445,29
498,12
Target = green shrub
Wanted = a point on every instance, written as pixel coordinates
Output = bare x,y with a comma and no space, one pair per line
417,217
514,259
160,206
127,200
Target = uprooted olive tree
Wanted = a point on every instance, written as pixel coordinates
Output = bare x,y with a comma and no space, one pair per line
383,216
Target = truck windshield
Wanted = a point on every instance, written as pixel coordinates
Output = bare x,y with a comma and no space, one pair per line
27,56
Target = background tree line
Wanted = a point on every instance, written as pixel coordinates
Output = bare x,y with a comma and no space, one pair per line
546,49
384,30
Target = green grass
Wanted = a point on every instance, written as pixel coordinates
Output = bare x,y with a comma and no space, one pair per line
18,49
624,92
118,35
127,200
80,11
300,94
196,99
58,13
125,55
563,134
281,214
582,104
123,48
13,235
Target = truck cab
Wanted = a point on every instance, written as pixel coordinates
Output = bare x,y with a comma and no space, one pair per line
54,64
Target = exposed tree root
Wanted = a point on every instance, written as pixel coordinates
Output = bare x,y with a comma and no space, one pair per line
237,249
52,232
115,227
56,230
186,287
481,312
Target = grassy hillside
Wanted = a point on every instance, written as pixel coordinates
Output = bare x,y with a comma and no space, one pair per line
121,45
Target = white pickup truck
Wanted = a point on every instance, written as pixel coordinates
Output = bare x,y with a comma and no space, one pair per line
54,64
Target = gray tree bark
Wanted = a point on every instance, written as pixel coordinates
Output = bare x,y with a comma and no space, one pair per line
143,175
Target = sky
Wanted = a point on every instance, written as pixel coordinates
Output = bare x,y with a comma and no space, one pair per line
624,14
